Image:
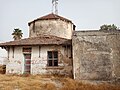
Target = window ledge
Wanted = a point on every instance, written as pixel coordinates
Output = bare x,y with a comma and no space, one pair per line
53,67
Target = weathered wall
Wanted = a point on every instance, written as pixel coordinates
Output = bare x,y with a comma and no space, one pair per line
51,27
39,64
15,63
96,55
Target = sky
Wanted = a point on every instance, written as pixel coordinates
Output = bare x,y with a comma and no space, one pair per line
85,14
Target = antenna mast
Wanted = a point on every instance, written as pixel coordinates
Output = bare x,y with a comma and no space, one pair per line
55,6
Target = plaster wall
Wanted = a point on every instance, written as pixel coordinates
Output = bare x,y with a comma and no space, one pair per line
15,63
96,55
51,27
39,61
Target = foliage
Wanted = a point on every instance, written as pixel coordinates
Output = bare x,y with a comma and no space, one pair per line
17,34
106,27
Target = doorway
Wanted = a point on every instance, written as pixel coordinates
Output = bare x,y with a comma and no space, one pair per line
27,64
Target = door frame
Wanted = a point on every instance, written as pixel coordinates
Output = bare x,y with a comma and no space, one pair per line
29,71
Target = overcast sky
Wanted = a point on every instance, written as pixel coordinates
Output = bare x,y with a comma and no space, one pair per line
85,14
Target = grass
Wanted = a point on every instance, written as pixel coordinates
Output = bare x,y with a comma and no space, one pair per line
70,84
38,82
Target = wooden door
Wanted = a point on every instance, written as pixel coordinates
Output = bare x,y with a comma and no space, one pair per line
27,66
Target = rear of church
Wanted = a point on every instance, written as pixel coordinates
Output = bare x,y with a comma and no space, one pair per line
47,50
55,48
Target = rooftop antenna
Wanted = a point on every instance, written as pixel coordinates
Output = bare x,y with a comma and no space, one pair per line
55,6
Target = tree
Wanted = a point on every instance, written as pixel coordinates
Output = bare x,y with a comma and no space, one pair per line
106,27
17,34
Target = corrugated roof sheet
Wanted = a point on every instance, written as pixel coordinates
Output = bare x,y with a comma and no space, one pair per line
51,16
42,40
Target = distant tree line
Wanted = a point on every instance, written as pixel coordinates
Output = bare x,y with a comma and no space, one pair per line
106,27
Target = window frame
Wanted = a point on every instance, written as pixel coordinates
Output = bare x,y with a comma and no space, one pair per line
53,58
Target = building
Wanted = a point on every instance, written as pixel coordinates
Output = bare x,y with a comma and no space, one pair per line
96,55
48,50
54,47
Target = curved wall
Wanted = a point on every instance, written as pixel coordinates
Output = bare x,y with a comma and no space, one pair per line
51,27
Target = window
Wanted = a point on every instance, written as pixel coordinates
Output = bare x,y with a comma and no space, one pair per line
52,58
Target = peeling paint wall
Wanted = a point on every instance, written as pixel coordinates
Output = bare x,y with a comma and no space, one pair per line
16,60
51,27
15,64
96,55
39,64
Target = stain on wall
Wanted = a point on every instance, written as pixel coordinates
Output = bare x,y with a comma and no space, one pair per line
15,65
51,27
39,64
96,55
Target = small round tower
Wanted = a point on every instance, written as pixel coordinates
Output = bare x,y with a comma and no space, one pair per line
51,24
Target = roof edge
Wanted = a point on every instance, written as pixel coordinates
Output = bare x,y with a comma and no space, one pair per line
43,40
50,16
96,33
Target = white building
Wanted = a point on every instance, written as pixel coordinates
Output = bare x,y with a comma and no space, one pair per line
48,50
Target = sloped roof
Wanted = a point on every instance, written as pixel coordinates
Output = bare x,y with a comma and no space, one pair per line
51,16
42,40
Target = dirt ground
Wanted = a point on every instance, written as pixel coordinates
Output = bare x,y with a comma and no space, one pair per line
38,82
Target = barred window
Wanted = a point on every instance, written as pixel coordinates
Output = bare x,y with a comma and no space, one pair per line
52,58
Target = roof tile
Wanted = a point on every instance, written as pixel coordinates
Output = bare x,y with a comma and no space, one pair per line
51,16
42,40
